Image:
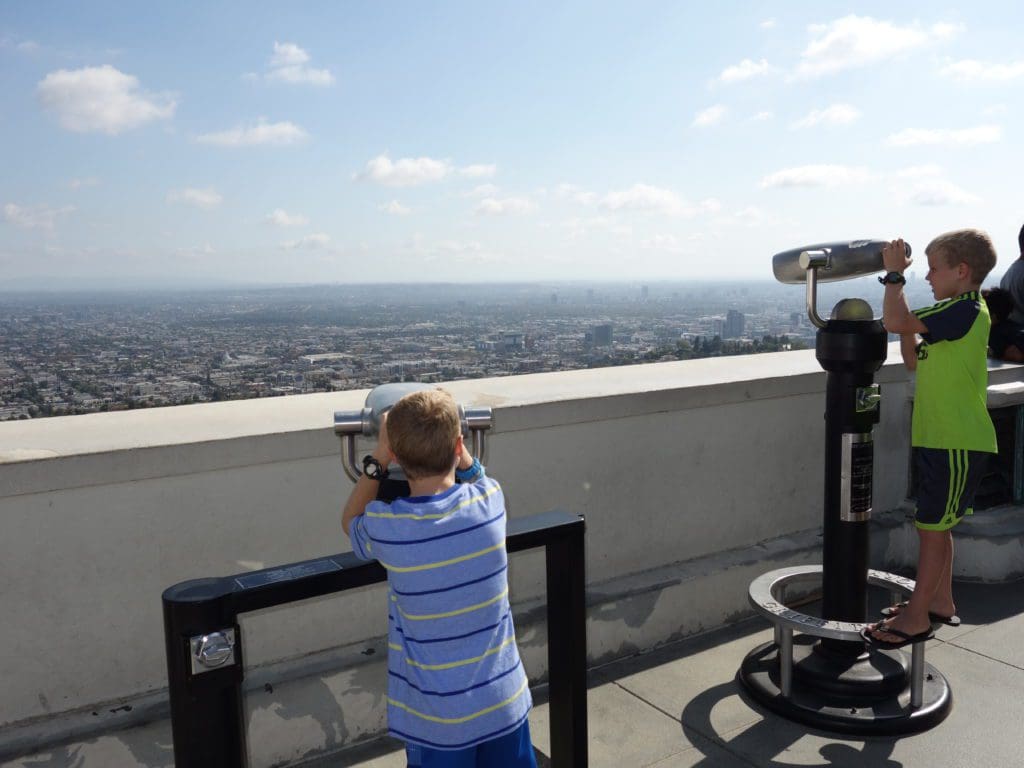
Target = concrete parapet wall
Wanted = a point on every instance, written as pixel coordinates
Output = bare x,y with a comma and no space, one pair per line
672,464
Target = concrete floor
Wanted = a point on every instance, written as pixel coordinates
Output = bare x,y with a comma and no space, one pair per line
681,706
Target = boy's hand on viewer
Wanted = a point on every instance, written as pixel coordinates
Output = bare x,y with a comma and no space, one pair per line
382,452
894,256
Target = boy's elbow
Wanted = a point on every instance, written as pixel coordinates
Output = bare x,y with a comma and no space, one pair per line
897,325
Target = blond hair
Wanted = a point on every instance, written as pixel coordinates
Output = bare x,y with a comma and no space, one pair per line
972,247
423,430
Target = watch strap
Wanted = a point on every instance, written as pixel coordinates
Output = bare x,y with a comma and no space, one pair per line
471,474
374,469
893,278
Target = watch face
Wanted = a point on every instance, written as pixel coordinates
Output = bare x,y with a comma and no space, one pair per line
372,468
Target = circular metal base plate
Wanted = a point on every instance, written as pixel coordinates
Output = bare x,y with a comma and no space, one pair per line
867,709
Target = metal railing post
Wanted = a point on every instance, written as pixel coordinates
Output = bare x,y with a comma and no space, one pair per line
567,649
204,675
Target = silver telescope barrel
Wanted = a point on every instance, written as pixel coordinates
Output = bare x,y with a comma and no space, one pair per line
839,260
348,425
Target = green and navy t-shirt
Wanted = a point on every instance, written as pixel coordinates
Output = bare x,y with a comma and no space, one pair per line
952,377
455,678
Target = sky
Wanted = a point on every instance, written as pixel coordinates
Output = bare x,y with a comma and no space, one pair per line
201,144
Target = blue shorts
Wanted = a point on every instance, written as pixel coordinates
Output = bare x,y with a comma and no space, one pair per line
513,750
947,480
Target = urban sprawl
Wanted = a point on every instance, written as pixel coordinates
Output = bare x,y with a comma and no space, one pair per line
79,353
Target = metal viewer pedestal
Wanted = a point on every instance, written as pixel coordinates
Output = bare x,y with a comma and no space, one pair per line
824,676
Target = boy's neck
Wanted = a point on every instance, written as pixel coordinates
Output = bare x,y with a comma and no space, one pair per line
966,288
431,485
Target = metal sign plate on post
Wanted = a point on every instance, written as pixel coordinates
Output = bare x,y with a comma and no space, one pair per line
858,461
311,568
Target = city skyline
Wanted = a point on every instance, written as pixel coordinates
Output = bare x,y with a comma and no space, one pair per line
195,145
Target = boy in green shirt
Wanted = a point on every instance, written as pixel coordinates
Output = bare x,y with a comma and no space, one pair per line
952,433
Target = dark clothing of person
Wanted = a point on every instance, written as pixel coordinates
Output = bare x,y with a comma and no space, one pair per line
1005,334
1013,281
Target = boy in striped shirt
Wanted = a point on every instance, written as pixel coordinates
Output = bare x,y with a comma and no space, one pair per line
457,692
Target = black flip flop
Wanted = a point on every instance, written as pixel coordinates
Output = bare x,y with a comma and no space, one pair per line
934,618
871,640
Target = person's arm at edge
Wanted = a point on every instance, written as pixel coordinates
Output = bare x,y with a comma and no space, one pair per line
1012,354
366,489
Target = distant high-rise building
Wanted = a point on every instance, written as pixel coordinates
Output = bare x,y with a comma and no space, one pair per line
590,294
554,298
643,293
795,319
602,335
733,328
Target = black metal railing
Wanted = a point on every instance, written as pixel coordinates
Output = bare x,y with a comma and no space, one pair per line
204,648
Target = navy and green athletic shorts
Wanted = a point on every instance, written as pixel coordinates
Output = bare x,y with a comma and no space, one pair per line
947,479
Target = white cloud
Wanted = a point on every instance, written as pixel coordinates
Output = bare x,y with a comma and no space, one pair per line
919,171
581,227
575,193
972,71
768,24
196,252
101,99
90,181
308,243
281,218
263,133
449,251
478,171
815,176
289,64
492,206
668,243
938,192
745,70
405,172
914,137
207,199
21,46
836,114
34,217
709,116
395,208
857,41
762,116
483,190
649,199
751,216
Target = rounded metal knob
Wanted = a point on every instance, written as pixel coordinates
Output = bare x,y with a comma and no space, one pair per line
214,649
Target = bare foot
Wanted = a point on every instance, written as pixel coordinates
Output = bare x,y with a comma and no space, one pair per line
936,610
880,630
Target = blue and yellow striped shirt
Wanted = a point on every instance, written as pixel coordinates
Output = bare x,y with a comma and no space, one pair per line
454,674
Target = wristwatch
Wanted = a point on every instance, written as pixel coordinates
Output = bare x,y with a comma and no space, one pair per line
893,278
373,469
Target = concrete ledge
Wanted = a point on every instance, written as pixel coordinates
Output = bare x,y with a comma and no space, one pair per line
65,452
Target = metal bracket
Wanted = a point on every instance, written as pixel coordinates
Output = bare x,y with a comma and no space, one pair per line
812,261
868,398
212,651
